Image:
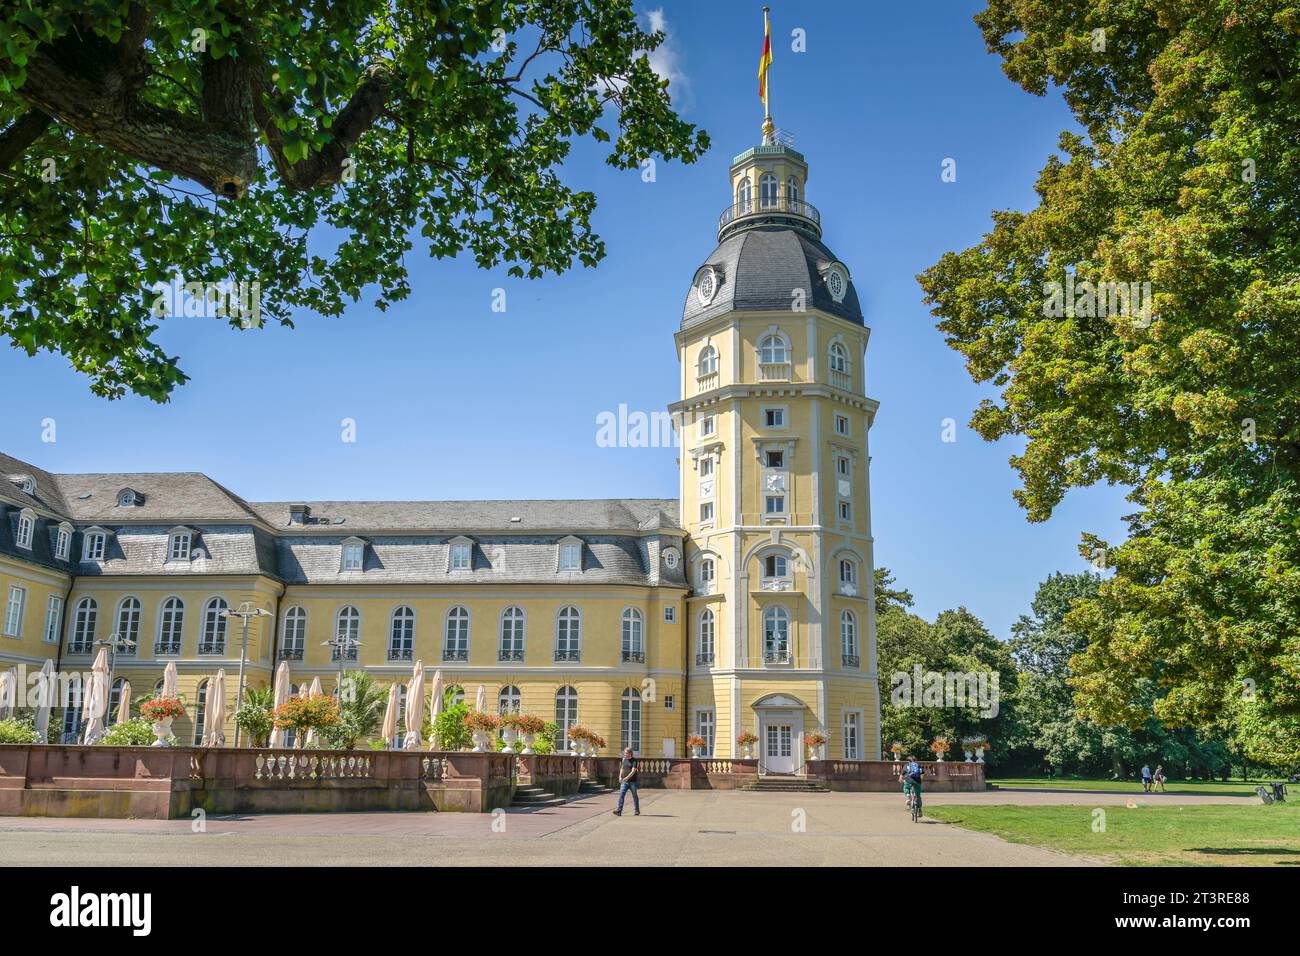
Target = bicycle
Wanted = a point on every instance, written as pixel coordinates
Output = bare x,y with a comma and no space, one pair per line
915,802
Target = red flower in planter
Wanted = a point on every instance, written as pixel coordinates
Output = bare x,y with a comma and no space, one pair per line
479,722
531,724
157,709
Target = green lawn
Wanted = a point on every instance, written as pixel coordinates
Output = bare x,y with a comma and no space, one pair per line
1206,835
1216,787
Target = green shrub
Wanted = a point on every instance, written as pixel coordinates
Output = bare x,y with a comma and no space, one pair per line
450,729
136,732
18,730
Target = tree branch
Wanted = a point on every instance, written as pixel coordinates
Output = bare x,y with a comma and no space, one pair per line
20,134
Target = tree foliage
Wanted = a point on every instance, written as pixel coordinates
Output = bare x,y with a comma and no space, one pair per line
1189,179
299,146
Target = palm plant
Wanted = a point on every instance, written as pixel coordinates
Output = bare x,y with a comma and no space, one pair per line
361,711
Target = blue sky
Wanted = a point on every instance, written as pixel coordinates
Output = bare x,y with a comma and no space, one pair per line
453,400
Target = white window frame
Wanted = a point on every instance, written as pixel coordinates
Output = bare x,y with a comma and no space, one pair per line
708,426
774,506
773,349
180,545
706,512
670,615
353,557
53,618
512,637
851,728
347,625
459,616
780,412
214,632
85,622
94,545
63,542
171,623
706,574
570,555
778,647
707,648
706,726
509,700
630,720
842,424
293,632
460,556
401,633
632,633
707,363
127,618
15,608
849,636
26,529
568,633
566,714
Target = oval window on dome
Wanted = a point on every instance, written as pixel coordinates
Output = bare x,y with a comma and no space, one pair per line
706,287
837,284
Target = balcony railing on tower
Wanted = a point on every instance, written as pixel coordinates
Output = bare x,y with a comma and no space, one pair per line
777,211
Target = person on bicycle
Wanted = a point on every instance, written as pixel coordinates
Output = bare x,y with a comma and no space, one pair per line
912,773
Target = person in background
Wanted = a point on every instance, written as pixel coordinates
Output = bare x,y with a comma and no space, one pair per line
1160,777
1146,778
626,782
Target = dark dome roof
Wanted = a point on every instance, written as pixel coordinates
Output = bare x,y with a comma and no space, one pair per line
760,269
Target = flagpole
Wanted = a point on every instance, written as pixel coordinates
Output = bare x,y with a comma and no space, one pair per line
767,86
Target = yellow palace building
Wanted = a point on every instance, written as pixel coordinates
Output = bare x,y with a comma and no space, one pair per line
746,605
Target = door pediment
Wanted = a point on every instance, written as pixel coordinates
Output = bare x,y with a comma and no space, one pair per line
779,702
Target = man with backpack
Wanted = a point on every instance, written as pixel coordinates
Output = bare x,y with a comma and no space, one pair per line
912,773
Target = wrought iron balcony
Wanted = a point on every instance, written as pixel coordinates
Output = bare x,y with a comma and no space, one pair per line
850,660
79,648
633,657
568,655
167,647
510,654
455,654
291,653
778,211
339,654
399,653
778,656
212,648
703,660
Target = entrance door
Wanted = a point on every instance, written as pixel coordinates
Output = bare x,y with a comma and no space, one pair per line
778,748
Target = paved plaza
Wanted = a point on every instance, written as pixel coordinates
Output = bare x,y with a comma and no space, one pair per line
676,828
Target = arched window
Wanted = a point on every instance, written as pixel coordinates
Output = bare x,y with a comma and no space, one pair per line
347,633
512,635
213,638
706,578
848,575
457,694
772,350
114,701
776,635
849,638
171,626
509,701
295,634
128,625
745,196
566,715
839,358
83,626
633,648
568,634
26,528
704,656
708,364
200,711
792,189
630,725
455,645
767,191
401,634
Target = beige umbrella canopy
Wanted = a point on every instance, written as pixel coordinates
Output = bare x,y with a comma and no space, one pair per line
480,699
124,703
97,697
169,680
435,706
281,696
45,699
8,692
389,730
214,720
415,709
314,691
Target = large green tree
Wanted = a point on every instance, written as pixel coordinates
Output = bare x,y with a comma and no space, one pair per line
300,146
1188,178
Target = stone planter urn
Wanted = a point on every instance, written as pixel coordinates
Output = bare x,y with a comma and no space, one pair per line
162,730
695,753
748,751
939,756
509,736
979,754
482,741
529,740
812,752
968,755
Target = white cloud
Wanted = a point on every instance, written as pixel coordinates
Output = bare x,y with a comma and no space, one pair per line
666,60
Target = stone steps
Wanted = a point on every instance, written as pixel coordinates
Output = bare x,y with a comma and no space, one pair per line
532,798
785,785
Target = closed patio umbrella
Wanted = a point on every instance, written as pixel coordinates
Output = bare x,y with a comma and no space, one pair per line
8,692
415,708
480,699
435,706
314,691
281,695
214,731
124,703
169,680
97,698
45,699
389,730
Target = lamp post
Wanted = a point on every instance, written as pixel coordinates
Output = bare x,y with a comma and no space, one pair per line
341,644
246,611
114,642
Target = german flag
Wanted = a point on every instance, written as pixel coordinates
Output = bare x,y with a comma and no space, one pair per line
765,60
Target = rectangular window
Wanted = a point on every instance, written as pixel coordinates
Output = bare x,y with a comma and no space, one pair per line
846,511
14,611
852,735
669,703
63,544
570,557
26,530
705,726
842,467
670,615
775,504
352,557
93,548
707,425
460,557
180,548
841,424
706,467
775,459
53,619
774,417
706,511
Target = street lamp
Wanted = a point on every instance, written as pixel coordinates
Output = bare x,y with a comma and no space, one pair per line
341,644
114,642
247,611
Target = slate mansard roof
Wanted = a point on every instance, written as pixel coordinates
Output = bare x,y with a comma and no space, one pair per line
407,542
761,267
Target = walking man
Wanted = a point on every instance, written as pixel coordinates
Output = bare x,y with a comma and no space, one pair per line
1146,778
626,782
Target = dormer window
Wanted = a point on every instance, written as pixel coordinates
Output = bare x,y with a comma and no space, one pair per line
354,554
27,483
92,545
128,498
462,555
179,544
26,528
571,554
63,542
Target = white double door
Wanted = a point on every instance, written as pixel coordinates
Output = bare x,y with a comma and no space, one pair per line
780,738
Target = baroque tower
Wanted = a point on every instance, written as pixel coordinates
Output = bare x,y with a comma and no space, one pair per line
775,488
